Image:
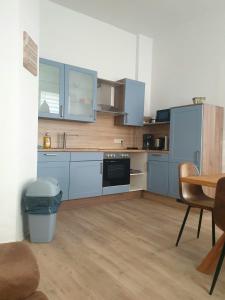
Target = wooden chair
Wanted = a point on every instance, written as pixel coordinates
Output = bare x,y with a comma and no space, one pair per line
219,217
193,196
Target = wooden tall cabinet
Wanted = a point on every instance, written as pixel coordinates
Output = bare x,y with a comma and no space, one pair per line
196,135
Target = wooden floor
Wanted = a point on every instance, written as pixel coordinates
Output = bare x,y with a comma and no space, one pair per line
125,251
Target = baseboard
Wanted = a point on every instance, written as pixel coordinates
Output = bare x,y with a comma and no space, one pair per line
84,202
160,198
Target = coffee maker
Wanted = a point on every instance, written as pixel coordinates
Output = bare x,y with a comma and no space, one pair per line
155,143
148,141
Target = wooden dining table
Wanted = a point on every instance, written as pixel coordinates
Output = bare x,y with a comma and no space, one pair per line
208,264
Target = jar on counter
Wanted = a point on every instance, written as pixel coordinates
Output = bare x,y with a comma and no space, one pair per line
46,141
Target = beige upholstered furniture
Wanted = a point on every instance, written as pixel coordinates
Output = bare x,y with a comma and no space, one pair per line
19,275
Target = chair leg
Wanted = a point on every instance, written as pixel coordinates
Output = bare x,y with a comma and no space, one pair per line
213,231
200,223
218,268
183,224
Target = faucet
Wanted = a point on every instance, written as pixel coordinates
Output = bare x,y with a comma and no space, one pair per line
65,135
64,140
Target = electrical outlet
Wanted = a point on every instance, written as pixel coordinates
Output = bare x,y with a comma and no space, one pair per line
118,141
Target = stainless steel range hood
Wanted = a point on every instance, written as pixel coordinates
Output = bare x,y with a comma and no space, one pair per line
106,96
104,108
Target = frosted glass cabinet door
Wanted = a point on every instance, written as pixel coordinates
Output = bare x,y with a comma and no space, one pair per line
80,94
51,89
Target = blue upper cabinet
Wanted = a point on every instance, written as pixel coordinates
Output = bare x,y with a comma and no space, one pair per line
186,134
67,92
51,89
130,99
80,94
134,102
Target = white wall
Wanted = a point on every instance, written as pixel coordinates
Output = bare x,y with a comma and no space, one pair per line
189,61
18,121
144,67
73,38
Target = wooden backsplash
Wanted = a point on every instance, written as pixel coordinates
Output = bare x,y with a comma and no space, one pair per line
96,135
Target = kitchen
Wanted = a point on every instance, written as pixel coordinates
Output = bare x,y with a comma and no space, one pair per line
110,115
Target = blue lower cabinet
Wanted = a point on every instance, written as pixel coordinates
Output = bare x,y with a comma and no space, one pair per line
109,190
85,179
158,177
58,170
174,180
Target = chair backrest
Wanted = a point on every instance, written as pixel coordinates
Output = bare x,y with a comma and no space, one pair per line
187,190
219,208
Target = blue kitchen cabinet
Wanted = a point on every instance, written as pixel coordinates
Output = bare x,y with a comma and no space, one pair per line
130,98
134,102
85,179
173,180
185,141
80,94
158,174
51,89
186,134
58,170
67,92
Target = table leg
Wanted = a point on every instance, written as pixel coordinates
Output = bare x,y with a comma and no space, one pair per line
208,264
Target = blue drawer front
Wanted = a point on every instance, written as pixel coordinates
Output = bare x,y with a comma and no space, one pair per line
108,190
158,157
85,156
53,156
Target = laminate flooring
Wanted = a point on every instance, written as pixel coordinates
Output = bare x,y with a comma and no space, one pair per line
126,251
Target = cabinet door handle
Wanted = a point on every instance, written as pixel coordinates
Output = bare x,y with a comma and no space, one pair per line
101,168
49,154
94,114
197,156
126,118
61,111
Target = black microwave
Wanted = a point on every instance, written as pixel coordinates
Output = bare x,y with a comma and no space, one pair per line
163,115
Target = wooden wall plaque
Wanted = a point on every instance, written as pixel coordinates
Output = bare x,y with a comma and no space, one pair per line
30,54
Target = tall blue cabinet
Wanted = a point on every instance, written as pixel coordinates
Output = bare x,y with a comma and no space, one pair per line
195,136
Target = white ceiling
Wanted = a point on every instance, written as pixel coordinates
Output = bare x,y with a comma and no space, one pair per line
148,17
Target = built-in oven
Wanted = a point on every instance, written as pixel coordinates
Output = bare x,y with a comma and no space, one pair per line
116,173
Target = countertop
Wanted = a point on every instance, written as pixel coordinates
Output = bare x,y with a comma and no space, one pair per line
101,150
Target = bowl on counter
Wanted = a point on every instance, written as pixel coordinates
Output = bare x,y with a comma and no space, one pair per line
199,100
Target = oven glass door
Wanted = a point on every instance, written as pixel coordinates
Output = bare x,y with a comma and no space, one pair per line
116,172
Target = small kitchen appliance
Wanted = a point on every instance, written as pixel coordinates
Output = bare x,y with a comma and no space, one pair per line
163,115
148,140
161,143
